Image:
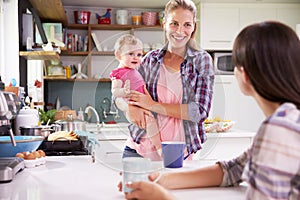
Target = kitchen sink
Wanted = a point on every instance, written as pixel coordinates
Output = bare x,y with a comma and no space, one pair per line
94,128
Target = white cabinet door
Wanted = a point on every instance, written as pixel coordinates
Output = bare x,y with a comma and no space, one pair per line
219,148
289,15
219,25
230,103
225,98
110,151
256,13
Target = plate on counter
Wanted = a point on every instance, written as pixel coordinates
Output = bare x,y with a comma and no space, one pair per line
218,126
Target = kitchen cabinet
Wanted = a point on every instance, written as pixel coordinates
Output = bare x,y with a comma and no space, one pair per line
111,144
262,12
219,146
221,22
289,15
230,103
225,146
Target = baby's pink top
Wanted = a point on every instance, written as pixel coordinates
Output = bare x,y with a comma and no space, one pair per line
136,80
169,89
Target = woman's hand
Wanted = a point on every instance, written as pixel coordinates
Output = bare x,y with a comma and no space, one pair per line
137,116
141,100
147,190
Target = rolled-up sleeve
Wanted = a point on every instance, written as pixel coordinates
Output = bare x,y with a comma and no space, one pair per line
233,170
198,86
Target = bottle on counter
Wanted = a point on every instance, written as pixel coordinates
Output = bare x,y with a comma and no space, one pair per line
57,104
80,114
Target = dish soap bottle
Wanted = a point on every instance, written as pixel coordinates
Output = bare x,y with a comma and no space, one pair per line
80,114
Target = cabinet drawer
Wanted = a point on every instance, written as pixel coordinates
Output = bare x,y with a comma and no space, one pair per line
223,148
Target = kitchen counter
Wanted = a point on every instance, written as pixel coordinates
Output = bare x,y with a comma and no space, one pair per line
76,177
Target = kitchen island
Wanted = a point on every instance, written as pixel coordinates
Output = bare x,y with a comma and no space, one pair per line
77,177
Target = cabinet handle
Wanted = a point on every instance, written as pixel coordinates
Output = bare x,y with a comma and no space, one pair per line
114,152
223,82
226,41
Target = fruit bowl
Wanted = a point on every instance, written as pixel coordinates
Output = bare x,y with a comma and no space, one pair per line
211,127
224,126
24,143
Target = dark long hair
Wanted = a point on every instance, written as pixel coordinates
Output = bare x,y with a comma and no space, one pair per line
270,54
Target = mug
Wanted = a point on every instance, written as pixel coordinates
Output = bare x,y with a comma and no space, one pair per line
135,169
173,154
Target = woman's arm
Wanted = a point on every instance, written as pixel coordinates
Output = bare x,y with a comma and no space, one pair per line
210,176
204,177
145,101
137,115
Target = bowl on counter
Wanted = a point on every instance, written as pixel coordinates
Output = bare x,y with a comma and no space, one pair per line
24,143
218,127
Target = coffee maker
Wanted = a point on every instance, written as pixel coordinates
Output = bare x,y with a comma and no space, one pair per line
9,108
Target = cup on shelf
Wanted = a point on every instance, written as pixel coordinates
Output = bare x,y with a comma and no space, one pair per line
136,20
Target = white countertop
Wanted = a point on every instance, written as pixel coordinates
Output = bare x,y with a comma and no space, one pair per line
76,177
122,133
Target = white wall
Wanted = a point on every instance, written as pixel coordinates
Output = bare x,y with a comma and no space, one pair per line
9,41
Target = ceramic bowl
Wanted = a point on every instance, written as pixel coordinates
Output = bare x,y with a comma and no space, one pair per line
24,143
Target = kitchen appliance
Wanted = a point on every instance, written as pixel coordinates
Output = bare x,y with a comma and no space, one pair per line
9,167
66,147
26,117
223,63
9,107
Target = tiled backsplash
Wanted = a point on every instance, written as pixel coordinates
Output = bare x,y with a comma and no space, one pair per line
80,94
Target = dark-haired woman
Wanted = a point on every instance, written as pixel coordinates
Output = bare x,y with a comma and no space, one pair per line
267,67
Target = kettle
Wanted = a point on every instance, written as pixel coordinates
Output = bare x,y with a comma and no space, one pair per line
26,117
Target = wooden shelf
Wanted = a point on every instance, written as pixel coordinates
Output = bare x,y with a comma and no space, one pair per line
103,53
113,27
74,53
40,55
56,79
50,11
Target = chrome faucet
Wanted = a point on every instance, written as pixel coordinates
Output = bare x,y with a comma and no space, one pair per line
110,109
96,114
